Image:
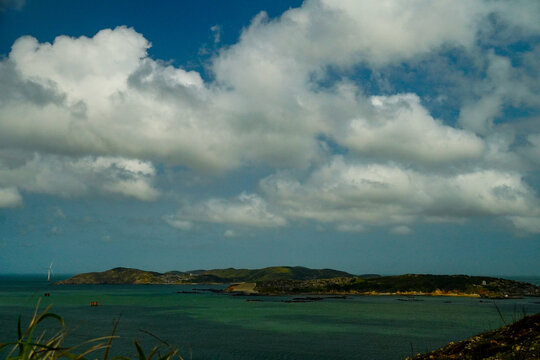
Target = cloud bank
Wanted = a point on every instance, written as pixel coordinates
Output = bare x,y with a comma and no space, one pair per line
97,115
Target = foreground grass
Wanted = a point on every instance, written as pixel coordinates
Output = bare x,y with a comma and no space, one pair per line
36,345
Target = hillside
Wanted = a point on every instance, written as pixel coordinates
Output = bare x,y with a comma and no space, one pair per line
284,280
121,275
410,284
135,276
273,273
520,340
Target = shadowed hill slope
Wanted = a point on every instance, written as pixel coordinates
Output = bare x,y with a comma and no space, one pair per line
275,273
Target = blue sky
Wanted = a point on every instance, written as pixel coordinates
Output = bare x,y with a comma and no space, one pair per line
367,137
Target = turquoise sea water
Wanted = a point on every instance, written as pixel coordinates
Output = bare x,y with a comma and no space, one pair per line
218,326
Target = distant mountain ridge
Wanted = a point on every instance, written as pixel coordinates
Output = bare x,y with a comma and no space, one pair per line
122,275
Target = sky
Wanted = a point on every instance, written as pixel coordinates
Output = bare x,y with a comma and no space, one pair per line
368,136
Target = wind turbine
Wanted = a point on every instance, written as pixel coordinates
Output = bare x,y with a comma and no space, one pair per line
49,272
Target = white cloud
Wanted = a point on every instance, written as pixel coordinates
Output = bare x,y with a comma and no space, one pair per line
56,230
92,115
245,210
84,68
229,233
402,129
112,99
216,31
531,150
344,33
374,194
527,224
401,230
68,177
504,85
103,96
177,223
10,197
58,213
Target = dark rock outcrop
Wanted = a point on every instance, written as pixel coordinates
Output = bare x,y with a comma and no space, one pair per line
520,340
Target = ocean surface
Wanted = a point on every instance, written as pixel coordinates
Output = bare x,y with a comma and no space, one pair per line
210,325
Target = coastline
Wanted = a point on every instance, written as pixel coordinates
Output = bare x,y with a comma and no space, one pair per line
290,281
250,289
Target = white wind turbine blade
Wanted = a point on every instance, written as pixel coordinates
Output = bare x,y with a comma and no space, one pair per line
49,272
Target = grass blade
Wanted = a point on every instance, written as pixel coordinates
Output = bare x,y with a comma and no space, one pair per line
140,351
109,343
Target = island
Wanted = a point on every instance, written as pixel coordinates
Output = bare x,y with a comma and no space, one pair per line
406,285
123,275
297,280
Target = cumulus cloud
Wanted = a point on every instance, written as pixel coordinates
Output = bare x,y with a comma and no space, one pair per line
92,115
403,129
373,194
248,210
103,95
10,197
58,213
502,86
532,150
216,32
345,33
401,230
527,224
68,177
229,233
178,223
353,196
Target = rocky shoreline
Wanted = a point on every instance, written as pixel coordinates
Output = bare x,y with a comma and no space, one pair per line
520,340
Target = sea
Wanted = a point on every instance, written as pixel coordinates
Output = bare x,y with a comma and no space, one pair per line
205,324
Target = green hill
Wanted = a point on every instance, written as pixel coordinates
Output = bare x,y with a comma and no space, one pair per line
124,276
274,273
135,276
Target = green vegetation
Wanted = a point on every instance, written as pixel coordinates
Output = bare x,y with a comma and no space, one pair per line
460,285
517,341
30,346
125,276
219,276
274,273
